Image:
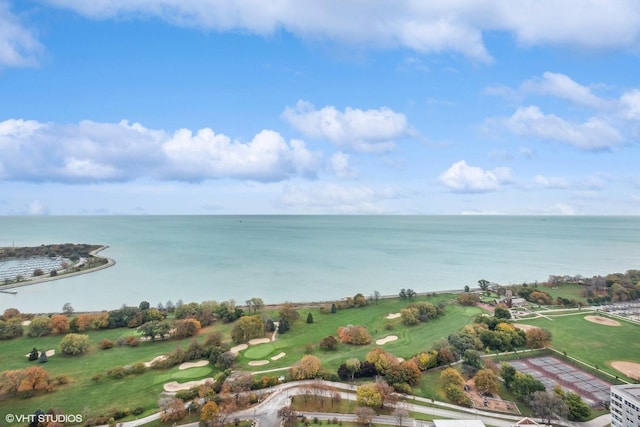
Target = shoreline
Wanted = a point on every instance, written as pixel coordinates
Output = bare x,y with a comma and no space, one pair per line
47,278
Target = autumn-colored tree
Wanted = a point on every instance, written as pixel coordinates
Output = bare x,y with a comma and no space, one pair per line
468,298
538,338
357,335
209,413
426,360
406,372
59,324
24,382
369,395
410,316
172,409
289,313
486,381
183,328
329,343
381,359
451,376
10,313
307,367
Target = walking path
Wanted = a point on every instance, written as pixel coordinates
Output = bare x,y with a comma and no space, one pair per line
279,396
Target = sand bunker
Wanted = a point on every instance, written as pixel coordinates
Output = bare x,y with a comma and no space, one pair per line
279,356
258,362
155,359
187,365
602,320
383,341
524,327
630,369
174,386
237,349
259,341
393,315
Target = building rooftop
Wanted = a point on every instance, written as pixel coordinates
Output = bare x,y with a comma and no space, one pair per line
630,389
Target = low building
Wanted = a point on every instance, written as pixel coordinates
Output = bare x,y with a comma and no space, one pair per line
625,405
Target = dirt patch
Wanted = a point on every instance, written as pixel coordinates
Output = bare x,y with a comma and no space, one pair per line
524,327
174,386
155,359
259,341
237,349
393,315
494,403
258,362
279,356
383,341
630,369
187,365
602,320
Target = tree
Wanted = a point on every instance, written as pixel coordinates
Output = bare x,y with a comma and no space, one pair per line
255,303
353,366
172,409
502,312
334,308
468,298
376,297
369,395
308,367
578,409
289,313
538,338
144,305
364,415
466,288
329,343
309,318
410,316
483,284
59,324
472,358
451,376
183,328
547,405
508,374
524,385
11,328
357,335
486,381
381,359
288,416
67,309
74,344
400,413
39,326
209,412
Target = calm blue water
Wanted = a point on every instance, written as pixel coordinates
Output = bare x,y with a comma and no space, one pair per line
310,258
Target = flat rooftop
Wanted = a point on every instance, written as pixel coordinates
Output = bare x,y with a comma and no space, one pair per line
631,389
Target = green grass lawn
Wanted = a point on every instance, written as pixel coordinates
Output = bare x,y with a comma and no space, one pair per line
592,343
84,396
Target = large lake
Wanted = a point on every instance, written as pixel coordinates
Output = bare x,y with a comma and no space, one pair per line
312,258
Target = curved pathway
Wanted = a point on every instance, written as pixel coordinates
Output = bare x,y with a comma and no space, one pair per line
279,396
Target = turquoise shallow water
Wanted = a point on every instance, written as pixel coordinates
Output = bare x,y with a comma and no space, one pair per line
310,258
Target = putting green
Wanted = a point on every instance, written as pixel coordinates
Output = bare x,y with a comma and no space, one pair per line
200,372
260,351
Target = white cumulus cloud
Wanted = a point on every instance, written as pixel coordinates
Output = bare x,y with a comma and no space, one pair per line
462,178
562,86
434,26
100,152
373,130
19,45
550,182
593,134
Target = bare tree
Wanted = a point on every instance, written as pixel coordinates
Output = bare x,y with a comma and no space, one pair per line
364,415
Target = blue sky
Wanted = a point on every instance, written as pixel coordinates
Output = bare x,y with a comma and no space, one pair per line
319,107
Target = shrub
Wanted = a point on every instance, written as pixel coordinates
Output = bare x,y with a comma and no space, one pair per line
74,344
132,341
137,410
117,372
106,344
